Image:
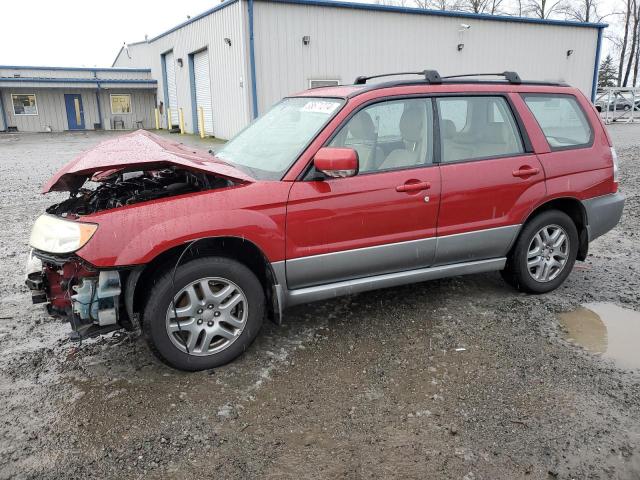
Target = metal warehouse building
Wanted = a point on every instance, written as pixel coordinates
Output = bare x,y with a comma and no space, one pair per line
242,56
41,99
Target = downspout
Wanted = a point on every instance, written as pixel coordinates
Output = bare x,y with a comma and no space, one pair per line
4,114
252,61
596,67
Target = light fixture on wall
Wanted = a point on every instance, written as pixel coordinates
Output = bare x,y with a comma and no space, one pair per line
569,53
306,40
461,30
179,62
227,40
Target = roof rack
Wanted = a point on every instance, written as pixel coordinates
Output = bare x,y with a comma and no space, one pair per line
430,76
511,77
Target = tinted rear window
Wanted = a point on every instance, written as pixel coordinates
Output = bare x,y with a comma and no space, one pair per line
561,119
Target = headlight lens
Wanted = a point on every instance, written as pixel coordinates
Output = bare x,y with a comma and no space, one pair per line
56,235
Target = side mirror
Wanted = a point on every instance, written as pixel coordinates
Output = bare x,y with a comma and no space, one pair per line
336,162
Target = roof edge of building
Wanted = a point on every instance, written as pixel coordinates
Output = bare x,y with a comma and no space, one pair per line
388,8
438,13
74,69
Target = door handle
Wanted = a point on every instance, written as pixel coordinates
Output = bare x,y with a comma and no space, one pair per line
413,187
526,171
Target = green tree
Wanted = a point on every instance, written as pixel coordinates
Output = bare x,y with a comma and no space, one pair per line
607,75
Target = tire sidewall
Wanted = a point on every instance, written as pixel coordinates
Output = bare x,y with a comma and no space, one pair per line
154,316
523,278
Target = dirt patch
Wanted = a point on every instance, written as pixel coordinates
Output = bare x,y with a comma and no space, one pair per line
458,378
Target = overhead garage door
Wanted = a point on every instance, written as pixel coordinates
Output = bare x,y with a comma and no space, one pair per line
172,89
203,89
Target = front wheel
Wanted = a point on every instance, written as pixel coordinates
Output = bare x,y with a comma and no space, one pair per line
217,311
544,253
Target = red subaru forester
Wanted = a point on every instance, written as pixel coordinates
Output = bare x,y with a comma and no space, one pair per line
333,191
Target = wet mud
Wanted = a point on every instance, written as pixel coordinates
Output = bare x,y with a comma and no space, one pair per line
458,378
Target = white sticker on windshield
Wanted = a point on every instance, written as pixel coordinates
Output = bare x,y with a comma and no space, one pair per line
320,106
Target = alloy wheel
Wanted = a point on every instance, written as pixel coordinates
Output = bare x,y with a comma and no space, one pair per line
548,253
207,316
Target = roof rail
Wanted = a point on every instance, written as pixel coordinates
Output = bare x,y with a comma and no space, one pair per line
430,76
511,77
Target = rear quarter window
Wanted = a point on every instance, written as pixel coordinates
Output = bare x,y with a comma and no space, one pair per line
561,119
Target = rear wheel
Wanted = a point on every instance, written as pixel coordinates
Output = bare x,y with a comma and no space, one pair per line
544,253
217,312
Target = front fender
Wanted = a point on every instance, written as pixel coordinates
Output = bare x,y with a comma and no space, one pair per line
136,234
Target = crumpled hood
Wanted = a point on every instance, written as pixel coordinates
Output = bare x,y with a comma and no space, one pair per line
138,149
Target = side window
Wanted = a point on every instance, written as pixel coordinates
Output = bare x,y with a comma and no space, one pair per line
477,127
390,135
561,119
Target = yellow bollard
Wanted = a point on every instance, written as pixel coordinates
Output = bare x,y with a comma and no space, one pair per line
169,125
157,116
181,120
201,122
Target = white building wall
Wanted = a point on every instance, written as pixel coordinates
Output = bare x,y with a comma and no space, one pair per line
346,43
230,87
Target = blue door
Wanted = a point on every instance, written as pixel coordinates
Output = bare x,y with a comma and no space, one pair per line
75,114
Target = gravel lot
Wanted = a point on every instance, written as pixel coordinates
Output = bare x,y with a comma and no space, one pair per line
369,386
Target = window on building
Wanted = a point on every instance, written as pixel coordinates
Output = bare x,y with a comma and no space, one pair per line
120,104
561,119
323,83
24,104
477,127
390,135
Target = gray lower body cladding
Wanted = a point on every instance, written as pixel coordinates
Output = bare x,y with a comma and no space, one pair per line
341,273
603,213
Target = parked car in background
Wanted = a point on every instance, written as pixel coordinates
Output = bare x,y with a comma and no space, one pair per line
333,191
618,105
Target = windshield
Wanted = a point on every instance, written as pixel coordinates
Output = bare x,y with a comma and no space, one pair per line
267,147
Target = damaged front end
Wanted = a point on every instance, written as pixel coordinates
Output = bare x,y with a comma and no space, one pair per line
129,171
90,300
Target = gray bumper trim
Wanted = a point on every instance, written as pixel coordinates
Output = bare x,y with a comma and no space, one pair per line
603,213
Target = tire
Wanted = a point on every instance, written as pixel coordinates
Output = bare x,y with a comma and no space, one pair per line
545,274
214,296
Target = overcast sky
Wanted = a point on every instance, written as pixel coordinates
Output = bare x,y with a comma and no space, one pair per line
88,33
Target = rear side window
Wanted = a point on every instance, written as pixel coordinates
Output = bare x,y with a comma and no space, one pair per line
561,119
477,127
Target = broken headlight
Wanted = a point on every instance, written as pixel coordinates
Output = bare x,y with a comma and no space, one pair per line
56,235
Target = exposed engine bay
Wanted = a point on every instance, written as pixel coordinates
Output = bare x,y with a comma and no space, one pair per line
120,188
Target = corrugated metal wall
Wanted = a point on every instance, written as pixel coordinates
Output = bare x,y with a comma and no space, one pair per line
230,87
345,43
52,112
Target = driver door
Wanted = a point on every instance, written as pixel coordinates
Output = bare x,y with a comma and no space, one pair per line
383,219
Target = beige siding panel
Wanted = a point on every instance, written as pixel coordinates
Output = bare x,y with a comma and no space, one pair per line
52,111
346,43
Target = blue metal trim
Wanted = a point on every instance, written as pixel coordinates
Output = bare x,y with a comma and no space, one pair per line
439,13
192,81
76,69
74,80
165,87
252,61
4,114
197,17
596,67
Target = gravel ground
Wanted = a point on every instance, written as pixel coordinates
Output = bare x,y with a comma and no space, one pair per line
369,386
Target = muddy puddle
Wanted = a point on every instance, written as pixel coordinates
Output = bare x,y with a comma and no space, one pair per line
606,329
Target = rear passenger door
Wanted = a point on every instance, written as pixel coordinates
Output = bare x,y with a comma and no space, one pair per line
490,177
